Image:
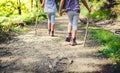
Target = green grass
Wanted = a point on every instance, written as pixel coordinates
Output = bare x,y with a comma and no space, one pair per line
110,42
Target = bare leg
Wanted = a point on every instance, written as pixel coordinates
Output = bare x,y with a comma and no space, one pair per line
74,33
49,28
70,16
68,37
73,40
74,30
69,28
52,29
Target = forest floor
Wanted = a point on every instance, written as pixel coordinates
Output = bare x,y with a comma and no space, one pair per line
41,53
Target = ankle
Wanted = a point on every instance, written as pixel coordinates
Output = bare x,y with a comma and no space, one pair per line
73,42
73,39
49,31
69,34
52,33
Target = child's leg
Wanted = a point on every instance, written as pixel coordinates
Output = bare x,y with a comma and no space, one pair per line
70,17
75,24
74,27
52,23
49,23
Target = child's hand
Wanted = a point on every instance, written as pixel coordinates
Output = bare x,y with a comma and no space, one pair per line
89,10
43,2
42,5
60,13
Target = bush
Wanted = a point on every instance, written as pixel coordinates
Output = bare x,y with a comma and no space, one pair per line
100,14
116,9
114,43
4,34
99,10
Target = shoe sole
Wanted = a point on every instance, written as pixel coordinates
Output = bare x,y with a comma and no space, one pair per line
73,44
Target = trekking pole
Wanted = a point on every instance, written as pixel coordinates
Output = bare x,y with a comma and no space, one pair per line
86,32
36,21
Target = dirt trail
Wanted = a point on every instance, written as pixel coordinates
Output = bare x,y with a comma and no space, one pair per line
28,53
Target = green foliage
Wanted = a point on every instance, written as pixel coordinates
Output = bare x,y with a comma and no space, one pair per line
100,14
110,41
108,52
6,8
16,29
103,35
42,16
4,19
105,9
98,10
83,12
24,17
117,57
3,33
114,43
116,9
9,7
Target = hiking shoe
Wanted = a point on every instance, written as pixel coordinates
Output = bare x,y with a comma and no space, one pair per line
52,33
68,37
49,31
73,42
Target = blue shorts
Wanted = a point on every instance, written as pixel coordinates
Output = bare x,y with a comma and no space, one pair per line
73,19
51,18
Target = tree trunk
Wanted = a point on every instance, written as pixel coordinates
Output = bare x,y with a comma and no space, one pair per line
31,5
19,7
41,1
36,3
